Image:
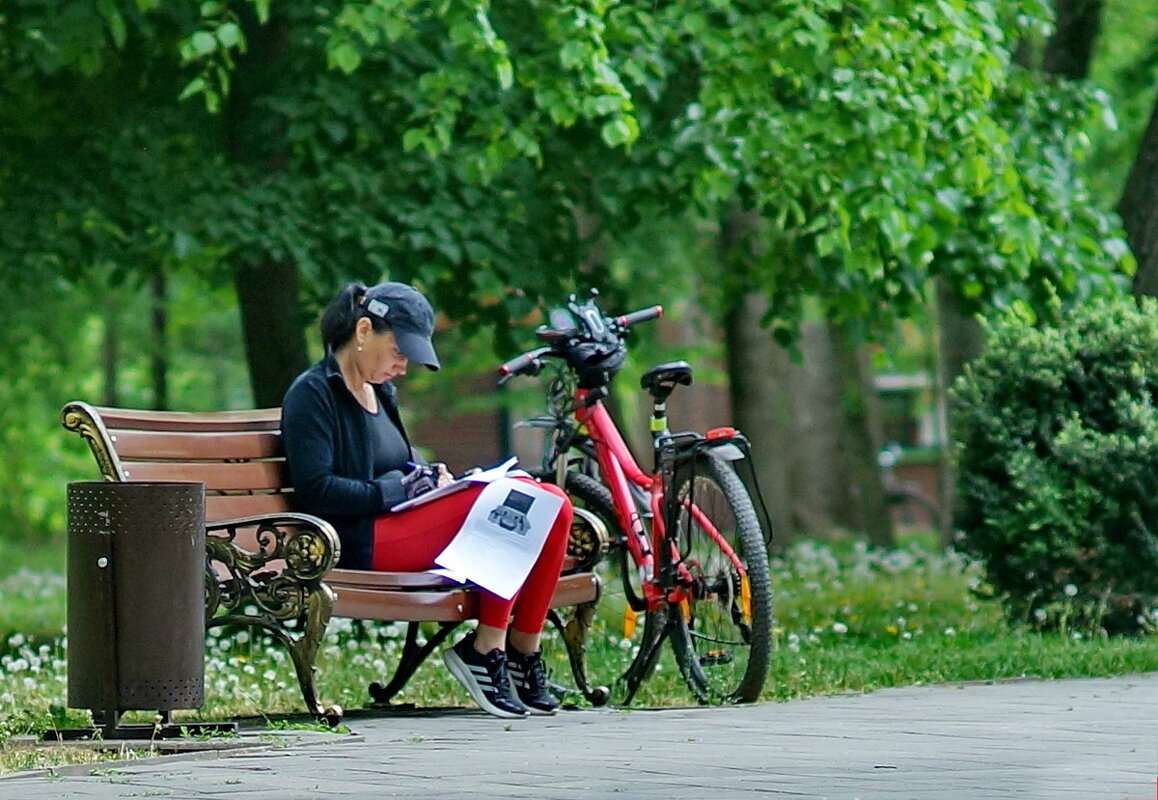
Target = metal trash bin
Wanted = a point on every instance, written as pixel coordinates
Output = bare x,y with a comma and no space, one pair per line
136,598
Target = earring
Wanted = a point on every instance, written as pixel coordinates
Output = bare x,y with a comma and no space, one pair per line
359,348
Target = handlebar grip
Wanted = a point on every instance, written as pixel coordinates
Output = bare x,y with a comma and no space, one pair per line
520,363
643,315
516,365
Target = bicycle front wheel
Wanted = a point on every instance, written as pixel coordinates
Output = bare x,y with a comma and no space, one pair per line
722,634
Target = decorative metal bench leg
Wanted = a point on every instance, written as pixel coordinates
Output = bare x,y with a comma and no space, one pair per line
575,639
413,654
304,652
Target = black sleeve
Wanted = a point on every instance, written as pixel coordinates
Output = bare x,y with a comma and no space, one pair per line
309,433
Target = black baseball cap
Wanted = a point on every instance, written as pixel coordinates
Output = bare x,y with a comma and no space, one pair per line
409,315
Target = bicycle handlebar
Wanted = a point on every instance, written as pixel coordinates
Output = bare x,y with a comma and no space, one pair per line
643,315
594,327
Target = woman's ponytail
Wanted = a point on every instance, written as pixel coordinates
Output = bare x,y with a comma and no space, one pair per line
337,323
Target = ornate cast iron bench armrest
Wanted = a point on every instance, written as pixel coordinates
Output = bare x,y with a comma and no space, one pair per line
277,586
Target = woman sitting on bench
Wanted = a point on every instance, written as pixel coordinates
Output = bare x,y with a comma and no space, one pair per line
351,462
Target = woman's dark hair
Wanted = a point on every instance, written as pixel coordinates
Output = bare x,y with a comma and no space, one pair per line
337,324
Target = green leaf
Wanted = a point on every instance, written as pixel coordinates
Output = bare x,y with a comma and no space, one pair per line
506,73
413,139
195,86
229,34
618,132
203,43
114,21
344,56
572,54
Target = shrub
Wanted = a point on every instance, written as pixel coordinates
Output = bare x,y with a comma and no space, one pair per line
1057,441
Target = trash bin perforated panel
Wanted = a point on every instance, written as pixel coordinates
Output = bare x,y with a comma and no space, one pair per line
136,596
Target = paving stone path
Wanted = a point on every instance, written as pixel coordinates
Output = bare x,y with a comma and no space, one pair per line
1093,739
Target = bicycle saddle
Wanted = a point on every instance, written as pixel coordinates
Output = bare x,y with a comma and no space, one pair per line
661,380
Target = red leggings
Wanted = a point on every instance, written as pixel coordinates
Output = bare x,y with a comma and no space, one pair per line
409,540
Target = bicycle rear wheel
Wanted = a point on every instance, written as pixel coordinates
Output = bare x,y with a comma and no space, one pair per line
722,635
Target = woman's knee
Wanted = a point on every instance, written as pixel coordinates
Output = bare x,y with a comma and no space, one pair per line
551,488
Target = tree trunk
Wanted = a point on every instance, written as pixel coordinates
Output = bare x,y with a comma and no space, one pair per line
814,425
761,402
761,405
160,354
959,340
819,481
1139,210
275,342
267,291
862,438
111,352
1067,53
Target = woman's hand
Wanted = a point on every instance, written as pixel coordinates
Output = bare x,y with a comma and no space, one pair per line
444,476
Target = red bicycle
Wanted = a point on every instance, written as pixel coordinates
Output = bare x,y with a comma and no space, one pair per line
680,549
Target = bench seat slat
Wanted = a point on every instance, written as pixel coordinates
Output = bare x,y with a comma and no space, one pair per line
360,599
367,579
252,475
436,605
186,446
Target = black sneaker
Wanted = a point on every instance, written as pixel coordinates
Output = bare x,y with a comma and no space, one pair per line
485,678
530,680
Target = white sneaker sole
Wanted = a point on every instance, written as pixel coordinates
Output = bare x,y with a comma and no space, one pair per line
461,671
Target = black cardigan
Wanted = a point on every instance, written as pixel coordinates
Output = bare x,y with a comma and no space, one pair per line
326,436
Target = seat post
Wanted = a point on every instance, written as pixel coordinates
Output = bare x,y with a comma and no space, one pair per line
660,381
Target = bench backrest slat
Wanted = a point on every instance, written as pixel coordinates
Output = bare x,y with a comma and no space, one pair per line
158,445
260,476
221,507
264,419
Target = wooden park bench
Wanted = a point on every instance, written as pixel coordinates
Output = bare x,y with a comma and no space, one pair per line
270,567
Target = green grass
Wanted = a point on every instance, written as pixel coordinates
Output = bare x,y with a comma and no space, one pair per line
848,619
32,585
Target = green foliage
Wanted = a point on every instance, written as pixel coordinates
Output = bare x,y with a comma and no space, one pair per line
55,340
875,139
1053,240
1058,475
418,153
1125,64
454,143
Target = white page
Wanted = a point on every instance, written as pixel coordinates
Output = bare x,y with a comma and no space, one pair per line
482,476
502,535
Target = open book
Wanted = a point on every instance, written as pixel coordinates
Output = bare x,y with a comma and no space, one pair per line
488,475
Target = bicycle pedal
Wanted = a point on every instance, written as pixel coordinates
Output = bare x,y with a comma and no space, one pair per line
715,658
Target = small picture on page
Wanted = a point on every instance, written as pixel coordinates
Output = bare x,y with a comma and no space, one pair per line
512,514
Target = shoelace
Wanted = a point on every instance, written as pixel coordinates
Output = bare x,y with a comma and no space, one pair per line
532,674
497,667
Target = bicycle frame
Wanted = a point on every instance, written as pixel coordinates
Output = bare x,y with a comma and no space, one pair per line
619,470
